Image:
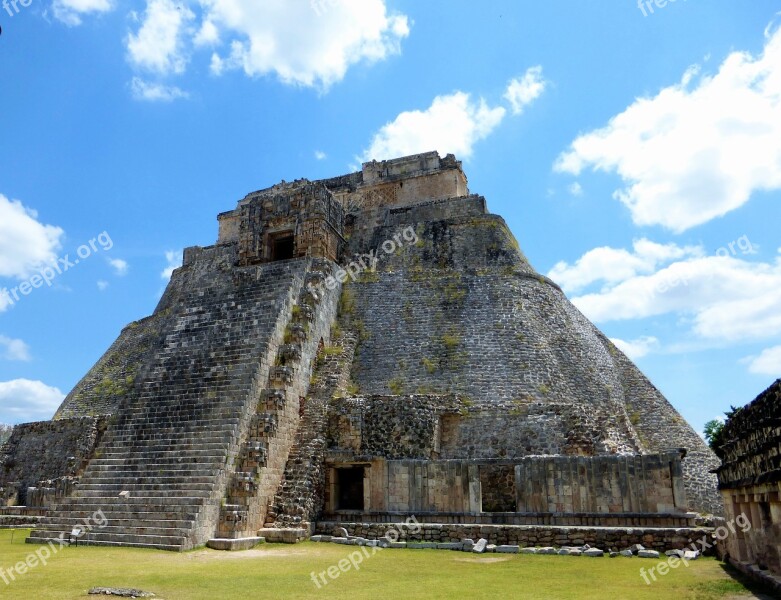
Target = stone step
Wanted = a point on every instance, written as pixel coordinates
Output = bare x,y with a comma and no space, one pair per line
199,468
161,502
109,478
118,487
172,542
128,443
134,493
164,513
170,547
163,425
170,452
134,529
138,517
71,522
171,437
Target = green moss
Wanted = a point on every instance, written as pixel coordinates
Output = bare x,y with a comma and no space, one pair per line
352,389
454,292
396,386
544,389
430,365
347,301
451,341
369,277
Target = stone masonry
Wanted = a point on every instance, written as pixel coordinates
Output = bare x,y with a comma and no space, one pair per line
352,350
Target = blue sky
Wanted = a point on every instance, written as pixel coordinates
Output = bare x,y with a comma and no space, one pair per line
636,155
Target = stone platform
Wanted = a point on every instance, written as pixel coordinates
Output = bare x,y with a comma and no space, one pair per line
657,538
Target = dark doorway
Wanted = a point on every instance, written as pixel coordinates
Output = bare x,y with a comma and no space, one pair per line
349,485
282,246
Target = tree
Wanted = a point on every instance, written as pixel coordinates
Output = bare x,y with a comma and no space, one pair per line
713,430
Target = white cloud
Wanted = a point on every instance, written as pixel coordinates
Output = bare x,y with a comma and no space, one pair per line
320,155
155,92
575,189
638,348
11,349
309,43
71,11
452,124
614,265
767,363
24,400
698,149
120,266
25,243
522,91
159,44
717,299
102,285
208,35
174,260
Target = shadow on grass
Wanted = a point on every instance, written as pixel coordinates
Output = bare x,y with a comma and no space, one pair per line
741,579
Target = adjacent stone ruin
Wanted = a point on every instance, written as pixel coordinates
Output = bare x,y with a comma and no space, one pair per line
750,483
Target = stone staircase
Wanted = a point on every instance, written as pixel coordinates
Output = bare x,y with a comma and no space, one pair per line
275,426
162,468
301,492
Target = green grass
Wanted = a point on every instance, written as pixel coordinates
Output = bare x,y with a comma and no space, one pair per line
282,571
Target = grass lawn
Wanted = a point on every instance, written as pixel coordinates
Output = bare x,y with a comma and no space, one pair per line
283,571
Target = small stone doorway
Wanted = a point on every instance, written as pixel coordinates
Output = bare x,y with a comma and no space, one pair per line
349,488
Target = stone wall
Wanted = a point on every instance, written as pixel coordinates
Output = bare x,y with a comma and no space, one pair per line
47,453
750,480
618,538
650,484
462,312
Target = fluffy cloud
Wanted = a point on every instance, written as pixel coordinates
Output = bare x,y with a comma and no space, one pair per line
452,124
11,349
23,400
719,298
575,189
174,260
524,90
698,149
767,363
159,44
614,265
71,11
120,266
25,243
638,348
102,285
155,92
309,43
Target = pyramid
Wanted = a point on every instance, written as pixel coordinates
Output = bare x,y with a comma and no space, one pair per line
357,350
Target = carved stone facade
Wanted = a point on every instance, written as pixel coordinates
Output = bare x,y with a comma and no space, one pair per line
750,482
